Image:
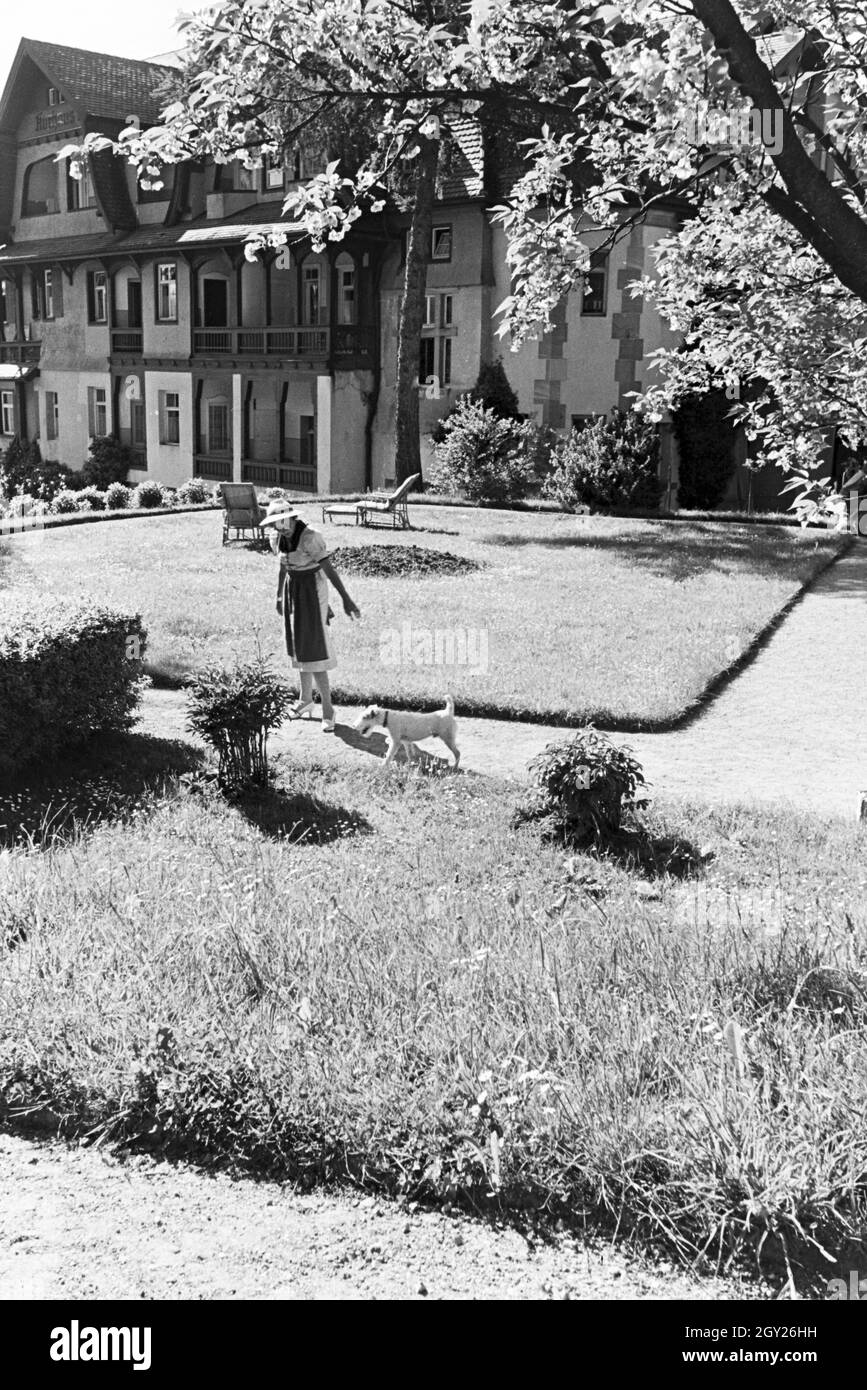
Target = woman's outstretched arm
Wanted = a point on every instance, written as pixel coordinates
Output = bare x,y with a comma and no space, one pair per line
350,609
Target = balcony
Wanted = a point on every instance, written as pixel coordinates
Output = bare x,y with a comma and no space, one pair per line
298,342
127,341
301,477
24,354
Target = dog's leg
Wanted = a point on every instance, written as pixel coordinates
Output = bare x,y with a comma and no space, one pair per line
392,752
453,748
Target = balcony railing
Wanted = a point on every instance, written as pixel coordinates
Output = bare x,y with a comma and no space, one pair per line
218,469
20,352
345,341
295,475
127,340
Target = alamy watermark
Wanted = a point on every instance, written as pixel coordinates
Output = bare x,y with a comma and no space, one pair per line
858,515
424,646
77,1343
735,129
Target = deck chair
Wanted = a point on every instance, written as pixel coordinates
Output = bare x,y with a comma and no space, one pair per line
241,510
381,510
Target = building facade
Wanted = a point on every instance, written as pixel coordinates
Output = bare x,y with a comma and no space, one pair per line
133,311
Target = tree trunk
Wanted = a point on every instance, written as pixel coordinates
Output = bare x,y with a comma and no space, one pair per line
407,453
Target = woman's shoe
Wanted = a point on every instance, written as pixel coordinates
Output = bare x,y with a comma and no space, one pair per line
300,708
328,726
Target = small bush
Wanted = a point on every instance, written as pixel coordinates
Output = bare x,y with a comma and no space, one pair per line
67,670
148,494
23,470
117,497
90,499
109,462
194,490
610,464
483,457
275,494
581,784
234,711
64,501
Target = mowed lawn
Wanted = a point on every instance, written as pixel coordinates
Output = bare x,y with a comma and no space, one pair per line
568,618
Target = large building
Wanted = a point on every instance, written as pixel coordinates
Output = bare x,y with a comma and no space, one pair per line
132,310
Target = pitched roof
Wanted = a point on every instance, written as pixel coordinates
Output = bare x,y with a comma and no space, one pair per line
101,83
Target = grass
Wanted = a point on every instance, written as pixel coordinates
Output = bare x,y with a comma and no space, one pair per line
625,622
425,1000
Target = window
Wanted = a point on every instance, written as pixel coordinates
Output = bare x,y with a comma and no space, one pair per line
167,293
97,411
246,180
7,412
55,96
345,289
430,310
136,422
427,358
296,166
219,437
39,195
580,422
273,172
441,244
79,191
52,415
445,362
97,296
170,417
446,310
48,294
593,303
312,297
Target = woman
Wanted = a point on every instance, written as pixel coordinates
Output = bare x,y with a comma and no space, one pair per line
302,599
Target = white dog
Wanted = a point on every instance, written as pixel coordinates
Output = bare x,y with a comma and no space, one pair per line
403,730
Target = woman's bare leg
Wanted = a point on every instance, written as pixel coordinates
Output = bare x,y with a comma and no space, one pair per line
324,688
306,682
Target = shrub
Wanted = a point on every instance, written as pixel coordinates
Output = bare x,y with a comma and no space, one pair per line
90,499
117,497
482,457
194,490
67,670
491,390
610,464
64,501
148,494
705,440
234,711
109,462
23,470
275,494
581,784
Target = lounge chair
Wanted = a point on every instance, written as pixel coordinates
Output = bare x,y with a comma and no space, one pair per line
380,509
241,510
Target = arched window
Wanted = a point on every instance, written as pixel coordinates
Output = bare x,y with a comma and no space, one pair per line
347,303
40,188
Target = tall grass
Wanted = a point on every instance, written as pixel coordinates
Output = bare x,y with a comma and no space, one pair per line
455,1009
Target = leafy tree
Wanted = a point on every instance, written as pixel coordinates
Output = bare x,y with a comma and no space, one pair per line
493,390
767,278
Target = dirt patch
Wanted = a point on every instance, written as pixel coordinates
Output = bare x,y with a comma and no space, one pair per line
400,561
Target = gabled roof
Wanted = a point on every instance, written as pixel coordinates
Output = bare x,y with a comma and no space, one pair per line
100,84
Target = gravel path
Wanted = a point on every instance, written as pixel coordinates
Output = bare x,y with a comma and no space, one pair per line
788,729
79,1224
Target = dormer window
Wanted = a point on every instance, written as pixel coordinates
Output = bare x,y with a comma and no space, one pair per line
55,96
40,188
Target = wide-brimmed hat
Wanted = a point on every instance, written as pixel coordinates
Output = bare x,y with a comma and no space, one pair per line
279,512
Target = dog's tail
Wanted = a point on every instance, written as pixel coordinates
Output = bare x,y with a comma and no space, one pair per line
449,707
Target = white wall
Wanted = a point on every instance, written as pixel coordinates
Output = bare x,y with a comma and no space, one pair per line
169,463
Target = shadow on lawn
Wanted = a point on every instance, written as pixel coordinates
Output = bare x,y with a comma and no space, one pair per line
675,552
298,817
104,780
376,746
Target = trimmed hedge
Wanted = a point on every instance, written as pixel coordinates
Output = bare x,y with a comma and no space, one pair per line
67,670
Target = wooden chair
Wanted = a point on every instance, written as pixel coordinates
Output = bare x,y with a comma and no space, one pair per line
241,510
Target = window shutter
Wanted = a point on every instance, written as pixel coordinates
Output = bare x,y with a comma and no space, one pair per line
91,298
34,295
57,285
